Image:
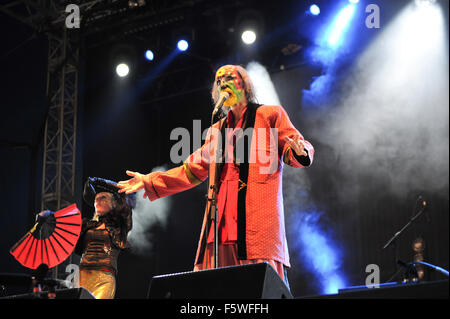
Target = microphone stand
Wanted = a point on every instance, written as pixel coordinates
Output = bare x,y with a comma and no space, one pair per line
213,199
397,234
393,240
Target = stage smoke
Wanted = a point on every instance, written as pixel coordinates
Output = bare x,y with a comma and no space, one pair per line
389,126
309,234
264,89
147,214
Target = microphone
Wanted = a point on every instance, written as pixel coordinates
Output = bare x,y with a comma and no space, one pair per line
424,202
423,206
223,97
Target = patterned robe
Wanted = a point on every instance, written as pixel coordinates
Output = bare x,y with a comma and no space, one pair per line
260,154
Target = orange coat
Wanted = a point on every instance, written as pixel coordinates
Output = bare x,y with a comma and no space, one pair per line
260,216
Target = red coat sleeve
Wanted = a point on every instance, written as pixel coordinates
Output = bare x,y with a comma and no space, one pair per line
285,128
193,171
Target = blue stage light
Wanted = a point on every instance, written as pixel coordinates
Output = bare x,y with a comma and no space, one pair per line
340,24
314,9
182,45
317,250
149,55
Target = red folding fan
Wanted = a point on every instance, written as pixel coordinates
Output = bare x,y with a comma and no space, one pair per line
51,240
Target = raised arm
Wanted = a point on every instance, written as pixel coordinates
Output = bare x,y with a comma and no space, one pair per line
192,172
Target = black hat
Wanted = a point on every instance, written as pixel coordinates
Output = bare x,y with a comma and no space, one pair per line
95,185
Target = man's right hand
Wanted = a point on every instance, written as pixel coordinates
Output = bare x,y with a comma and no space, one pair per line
132,185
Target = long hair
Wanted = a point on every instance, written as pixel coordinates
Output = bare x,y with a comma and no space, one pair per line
120,219
121,205
248,85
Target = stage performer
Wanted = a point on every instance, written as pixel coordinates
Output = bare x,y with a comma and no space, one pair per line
249,190
104,236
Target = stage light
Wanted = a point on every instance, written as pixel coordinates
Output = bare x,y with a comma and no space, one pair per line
248,36
353,1
314,9
340,24
122,58
316,246
250,25
149,55
182,45
122,69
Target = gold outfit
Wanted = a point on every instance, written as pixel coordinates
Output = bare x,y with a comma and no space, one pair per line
103,237
98,264
102,284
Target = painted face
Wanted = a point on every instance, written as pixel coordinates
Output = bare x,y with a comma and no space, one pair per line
229,80
103,203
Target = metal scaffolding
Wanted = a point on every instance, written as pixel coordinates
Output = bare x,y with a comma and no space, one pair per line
58,184
59,154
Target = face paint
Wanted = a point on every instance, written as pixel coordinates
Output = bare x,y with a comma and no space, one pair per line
229,80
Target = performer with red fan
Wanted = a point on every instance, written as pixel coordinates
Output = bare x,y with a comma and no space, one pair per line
98,240
51,240
104,236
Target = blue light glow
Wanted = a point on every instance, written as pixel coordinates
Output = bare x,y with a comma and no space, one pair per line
318,252
339,25
149,55
314,9
334,37
182,45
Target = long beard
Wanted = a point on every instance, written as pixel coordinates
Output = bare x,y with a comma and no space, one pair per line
231,101
235,97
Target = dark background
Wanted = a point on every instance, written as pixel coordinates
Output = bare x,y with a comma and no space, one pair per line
123,127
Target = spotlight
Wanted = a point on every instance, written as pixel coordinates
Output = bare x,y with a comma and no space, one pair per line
149,55
314,9
353,1
182,45
249,23
123,58
339,25
122,70
248,36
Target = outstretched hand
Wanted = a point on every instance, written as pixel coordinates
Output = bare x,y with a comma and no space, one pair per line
297,145
132,185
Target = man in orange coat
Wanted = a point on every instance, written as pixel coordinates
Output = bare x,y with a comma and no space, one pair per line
243,156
